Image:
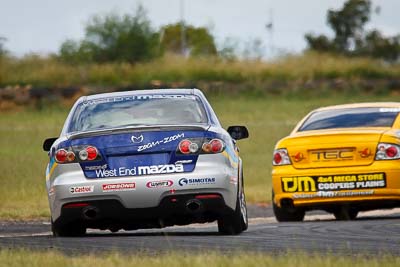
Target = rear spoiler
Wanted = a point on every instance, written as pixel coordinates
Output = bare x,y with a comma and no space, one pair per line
132,129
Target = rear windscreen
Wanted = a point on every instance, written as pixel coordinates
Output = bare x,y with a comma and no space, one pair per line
145,110
350,117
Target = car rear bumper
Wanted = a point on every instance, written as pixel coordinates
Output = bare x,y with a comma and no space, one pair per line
70,185
382,196
172,210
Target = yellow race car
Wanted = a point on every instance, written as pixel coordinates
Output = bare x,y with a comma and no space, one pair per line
342,159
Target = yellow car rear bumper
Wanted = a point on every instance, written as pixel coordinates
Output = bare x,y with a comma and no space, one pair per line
378,182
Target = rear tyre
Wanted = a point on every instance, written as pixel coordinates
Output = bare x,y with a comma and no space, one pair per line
345,213
69,230
237,221
287,214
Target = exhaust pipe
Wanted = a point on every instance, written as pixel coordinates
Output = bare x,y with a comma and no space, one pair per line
90,213
193,205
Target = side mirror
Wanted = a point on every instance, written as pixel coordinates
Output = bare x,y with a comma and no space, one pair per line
48,143
238,132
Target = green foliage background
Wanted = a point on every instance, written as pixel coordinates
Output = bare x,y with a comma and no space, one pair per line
268,118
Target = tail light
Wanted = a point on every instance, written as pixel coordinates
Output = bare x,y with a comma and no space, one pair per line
187,147
387,151
200,146
281,157
88,153
78,153
61,155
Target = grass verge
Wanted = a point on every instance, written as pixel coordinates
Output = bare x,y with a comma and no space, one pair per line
172,69
22,165
19,258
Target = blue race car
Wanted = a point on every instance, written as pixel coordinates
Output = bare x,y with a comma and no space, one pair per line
145,159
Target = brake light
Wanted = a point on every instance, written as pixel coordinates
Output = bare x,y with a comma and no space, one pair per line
387,151
184,146
199,145
277,158
216,146
61,155
391,152
92,153
281,157
64,156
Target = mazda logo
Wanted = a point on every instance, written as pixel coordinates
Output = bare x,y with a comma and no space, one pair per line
137,139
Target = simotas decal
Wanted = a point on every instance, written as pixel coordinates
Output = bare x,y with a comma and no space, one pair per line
141,170
81,189
165,140
196,181
157,184
119,187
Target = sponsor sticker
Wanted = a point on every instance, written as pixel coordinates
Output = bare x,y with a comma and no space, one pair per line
141,170
96,167
157,184
119,187
165,140
333,182
196,181
329,194
332,155
81,189
159,169
187,161
135,97
389,110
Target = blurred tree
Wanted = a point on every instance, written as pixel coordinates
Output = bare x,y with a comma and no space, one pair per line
229,49
350,37
348,23
379,46
114,38
199,41
319,43
253,49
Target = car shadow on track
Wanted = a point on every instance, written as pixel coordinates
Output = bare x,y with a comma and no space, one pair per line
143,234
366,218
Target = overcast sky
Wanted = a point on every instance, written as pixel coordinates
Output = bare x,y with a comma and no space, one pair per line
42,25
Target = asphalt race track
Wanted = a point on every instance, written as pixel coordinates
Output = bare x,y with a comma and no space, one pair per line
372,233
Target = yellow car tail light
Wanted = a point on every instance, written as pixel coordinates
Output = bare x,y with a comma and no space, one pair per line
281,157
387,151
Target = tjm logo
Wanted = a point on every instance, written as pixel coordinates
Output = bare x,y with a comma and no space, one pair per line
340,154
298,184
